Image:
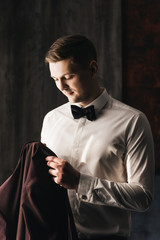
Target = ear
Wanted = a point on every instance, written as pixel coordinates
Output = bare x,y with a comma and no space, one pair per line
93,66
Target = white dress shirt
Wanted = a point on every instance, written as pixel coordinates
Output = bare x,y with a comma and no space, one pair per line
115,157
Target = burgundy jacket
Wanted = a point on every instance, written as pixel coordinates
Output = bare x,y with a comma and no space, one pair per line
32,206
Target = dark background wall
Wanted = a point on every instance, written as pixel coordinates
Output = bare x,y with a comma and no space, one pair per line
27,29
127,42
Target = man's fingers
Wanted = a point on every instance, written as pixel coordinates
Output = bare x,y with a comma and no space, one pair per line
53,158
52,164
52,172
50,158
58,160
57,179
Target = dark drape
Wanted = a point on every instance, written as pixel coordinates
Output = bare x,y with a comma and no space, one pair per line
32,205
141,57
27,29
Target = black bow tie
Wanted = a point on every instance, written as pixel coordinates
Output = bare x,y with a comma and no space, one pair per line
78,112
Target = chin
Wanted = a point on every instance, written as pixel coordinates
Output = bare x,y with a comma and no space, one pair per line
73,100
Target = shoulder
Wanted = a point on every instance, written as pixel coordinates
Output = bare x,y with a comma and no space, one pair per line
58,112
127,113
136,119
123,109
118,105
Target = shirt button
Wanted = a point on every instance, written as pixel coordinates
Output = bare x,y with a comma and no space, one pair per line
84,197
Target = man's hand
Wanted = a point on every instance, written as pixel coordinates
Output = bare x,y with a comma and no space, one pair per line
63,173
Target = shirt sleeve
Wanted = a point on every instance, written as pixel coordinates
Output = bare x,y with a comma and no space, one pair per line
44,131
136,193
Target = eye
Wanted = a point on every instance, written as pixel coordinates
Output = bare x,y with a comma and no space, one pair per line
68,77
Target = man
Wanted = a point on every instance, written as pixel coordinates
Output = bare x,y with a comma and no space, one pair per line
104,148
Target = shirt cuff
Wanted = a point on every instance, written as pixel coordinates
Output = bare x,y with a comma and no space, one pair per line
85,187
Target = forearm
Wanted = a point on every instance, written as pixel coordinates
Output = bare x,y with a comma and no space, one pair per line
129,196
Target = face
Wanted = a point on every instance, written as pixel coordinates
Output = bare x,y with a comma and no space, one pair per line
77,84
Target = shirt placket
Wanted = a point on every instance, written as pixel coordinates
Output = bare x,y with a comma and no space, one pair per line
75,155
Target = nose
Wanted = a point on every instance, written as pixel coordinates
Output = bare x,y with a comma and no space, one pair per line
62,84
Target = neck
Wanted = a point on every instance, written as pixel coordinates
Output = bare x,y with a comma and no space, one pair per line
95,94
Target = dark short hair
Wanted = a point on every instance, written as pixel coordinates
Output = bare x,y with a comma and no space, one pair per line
78,47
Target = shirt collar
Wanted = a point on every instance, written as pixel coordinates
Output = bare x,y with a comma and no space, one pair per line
99,102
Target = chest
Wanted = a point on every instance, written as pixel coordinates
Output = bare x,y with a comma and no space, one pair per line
95,148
